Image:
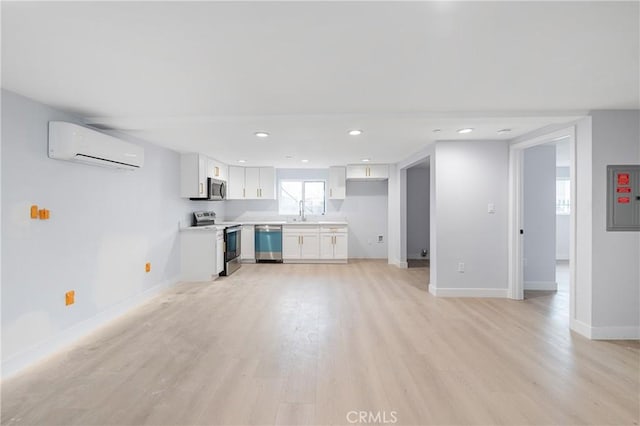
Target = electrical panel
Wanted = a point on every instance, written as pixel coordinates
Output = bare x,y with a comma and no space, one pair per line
623,198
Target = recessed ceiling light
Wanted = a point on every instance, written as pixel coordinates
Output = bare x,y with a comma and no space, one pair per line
305,161
355,132
242,161
466,130
437,130
502,131
365,160
262,134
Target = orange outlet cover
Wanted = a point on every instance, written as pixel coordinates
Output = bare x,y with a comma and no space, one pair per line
47,214
42,214
147,267
69,297
34,212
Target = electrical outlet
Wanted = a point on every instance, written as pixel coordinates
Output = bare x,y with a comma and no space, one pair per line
147,267
491,208
70,298
380,239
461,267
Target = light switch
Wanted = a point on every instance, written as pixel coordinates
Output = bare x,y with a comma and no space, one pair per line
491,208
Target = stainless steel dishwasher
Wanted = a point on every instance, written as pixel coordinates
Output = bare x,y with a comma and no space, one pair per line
268,239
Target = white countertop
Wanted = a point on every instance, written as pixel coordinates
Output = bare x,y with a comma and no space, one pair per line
216,227
222,225
284,223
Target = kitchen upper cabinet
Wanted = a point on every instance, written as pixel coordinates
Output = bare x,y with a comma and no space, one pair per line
252,183
217,170
235,184
337,183
193,176
268,183
368,172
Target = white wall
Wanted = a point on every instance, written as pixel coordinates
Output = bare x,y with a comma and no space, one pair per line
616,265
562,237
417,211
470,175
105,224
562,221
539,215
365,208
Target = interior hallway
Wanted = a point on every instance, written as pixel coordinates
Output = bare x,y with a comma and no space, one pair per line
306,344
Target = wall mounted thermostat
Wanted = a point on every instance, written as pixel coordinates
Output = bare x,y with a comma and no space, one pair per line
623,198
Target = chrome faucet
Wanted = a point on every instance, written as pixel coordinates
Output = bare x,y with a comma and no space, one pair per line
302,218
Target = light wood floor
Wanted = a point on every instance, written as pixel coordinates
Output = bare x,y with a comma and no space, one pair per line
307,344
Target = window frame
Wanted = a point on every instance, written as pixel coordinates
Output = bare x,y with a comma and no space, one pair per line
304,182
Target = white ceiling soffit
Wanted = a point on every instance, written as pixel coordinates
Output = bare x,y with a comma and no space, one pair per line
204,76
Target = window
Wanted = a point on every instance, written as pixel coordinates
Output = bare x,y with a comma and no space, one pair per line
563,196
294,191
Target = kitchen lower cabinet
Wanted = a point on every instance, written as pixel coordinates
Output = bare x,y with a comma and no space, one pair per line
300,242
334,243
314,243
290,246
248,244
219,252
201,254
310,246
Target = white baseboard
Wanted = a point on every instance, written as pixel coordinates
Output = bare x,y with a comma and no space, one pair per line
399,264
615,333
65,338
606,333
581,328
468,292
541,285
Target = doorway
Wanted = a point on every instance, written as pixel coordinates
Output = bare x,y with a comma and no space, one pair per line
542,219
418,216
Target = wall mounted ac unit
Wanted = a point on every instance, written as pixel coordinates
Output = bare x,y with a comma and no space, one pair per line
71,142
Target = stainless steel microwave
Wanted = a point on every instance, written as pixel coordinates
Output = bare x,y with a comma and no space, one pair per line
216,189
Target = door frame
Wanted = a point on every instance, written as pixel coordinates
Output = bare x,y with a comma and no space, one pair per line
516,223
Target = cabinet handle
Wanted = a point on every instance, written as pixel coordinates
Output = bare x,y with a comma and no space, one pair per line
243,193
302,238
201,187
330,192
217,171
260,192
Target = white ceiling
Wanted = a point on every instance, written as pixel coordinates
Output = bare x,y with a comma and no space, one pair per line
204,76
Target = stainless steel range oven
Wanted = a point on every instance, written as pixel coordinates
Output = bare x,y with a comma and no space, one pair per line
232,240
